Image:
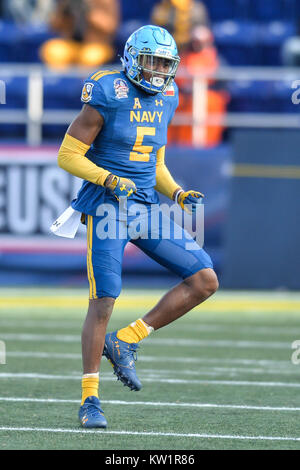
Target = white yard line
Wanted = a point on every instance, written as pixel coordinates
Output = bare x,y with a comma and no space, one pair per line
184,360
205,327
262,367
232,371
155,341
273,330
220,343
287,369
58,338
44,355
153,404
152,434
110,378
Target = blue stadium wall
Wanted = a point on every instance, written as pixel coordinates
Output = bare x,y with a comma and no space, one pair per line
262,230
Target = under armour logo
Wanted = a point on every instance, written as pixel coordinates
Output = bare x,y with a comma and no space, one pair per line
159,102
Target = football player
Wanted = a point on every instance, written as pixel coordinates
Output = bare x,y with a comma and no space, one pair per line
117,146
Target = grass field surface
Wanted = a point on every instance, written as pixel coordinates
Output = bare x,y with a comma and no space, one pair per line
221,377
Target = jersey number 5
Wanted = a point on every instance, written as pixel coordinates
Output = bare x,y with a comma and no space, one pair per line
141,153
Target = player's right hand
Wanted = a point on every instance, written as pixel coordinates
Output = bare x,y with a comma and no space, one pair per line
120,187
188,200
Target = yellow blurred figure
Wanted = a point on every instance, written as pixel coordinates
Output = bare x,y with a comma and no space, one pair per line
182,4
93,54
87,29
62,53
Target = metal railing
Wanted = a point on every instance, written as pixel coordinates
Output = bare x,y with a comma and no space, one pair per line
35,115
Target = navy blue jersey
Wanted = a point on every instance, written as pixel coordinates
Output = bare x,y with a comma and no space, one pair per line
135,128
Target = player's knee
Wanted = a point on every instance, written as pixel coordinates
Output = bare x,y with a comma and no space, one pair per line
211,283
204,283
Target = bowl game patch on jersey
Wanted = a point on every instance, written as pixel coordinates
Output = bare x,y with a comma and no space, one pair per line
121,88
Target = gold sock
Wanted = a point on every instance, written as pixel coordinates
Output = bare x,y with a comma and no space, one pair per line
135,332
90,386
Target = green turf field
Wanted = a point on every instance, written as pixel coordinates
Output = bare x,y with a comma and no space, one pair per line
219,378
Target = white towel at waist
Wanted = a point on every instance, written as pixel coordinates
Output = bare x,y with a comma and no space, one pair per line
67,223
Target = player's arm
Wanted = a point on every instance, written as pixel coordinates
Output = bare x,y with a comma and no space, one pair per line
166,185
78,139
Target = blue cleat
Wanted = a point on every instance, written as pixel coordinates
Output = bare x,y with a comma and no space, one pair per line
91,415
122,356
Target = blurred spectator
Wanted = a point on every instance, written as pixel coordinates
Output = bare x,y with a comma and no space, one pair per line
27,11
200,56
87,29
201,52
179,17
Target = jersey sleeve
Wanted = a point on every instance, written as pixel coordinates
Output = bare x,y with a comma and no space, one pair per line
94,95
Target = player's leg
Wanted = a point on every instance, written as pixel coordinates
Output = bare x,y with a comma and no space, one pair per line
194,290
104,261
193,265
93,333
199,282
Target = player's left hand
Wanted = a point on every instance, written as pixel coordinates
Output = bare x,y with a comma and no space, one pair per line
188,200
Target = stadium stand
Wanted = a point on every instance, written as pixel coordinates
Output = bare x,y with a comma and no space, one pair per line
246,33
238,25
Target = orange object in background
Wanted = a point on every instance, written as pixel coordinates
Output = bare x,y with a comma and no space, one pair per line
211,134
201,55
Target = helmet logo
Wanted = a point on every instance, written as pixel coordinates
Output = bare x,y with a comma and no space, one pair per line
163,52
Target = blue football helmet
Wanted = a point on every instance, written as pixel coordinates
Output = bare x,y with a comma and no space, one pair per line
151,58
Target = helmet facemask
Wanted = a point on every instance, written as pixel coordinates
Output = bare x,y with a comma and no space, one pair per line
154,72
157,70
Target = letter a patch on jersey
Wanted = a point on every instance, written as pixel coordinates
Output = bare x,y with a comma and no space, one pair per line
137,104
86,95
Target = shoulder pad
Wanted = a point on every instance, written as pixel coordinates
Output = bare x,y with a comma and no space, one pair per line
103,73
